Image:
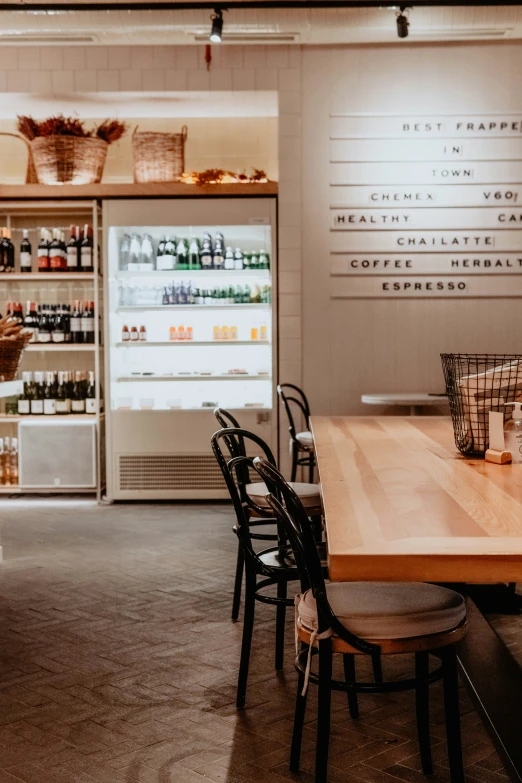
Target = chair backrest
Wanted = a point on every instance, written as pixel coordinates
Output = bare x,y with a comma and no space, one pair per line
292,395
235,445
295,522
236,467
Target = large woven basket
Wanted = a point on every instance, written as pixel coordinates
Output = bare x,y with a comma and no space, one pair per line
11,349
71,159
159,157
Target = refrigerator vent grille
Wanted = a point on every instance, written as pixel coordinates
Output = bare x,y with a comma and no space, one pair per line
169,472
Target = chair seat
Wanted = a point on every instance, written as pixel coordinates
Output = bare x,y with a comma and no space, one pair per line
381,610
305,440
283,557
308,494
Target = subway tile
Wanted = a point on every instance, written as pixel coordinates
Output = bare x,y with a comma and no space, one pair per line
290,102
119,58
131,80
289,171
289,282
277,57
96,58
289,78
62,81
187,57
108,81
244,79
73,58
198,80
30,59
290,214
254,56
17,81
9,58
142,57
289,237
294,56
85,81
289,125
289,304
175,79
164,57
220,79
3,81
266,79
230,56
289,259
289,192
290,327
40,81
290,147
153,80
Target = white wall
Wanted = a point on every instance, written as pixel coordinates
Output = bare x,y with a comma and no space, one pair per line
352,346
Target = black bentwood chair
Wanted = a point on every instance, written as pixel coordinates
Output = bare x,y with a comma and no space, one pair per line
275,565
255,505
300,442
372,618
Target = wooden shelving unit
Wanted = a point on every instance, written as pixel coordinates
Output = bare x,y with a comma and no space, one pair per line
134,190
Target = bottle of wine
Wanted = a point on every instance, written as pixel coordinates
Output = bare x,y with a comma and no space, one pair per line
86,256
62,403
55,253
58,333
49,405
10,252
87,323
78,394
13,462
229,259
24,400
37,399
75,324
91,403
43,251
26,260
45,326
194,253
73,250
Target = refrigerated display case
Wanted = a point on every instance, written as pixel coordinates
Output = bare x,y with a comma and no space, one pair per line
186,332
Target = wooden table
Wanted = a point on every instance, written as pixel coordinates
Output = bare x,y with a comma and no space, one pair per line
401,504
415,401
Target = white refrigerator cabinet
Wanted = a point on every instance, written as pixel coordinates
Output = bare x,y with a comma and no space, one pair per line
208,337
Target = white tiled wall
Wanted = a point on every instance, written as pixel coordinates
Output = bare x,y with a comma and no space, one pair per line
90,69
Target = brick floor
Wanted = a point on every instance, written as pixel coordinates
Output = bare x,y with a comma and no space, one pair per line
118,662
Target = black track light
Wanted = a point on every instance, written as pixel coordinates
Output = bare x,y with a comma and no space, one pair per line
216,32
402,23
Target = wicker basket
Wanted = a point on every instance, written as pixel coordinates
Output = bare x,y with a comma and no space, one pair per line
71,159
30,172
159,157
11,349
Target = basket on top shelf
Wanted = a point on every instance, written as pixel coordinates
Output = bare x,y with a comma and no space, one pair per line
158,157
64,151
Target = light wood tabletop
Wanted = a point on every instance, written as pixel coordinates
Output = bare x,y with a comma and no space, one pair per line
402,504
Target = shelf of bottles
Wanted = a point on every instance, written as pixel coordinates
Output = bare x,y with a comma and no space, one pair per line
207,289
49,282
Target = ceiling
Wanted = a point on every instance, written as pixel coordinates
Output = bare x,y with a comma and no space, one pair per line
259,26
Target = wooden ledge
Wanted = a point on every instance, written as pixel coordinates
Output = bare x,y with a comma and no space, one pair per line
135,190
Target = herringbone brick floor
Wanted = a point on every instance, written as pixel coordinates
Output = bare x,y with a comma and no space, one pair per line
118,662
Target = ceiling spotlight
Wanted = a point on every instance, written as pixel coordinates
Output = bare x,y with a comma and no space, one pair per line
216,32
402,23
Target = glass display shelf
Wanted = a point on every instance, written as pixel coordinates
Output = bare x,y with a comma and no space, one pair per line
45,276
199,274
183,378
60,347
187,343
7,419
144,308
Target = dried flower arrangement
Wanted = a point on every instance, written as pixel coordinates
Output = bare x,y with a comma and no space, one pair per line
221,177
109,130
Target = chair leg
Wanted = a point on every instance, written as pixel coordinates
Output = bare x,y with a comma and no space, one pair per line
422,709
311,466
236,601
280,625
323,710
248,627
452,715
295,455
377,668
349,676
297,734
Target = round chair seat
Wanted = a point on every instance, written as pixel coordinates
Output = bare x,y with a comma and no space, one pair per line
305,440
383,610
308,494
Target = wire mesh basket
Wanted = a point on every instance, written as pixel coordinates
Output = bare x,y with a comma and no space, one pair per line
476,384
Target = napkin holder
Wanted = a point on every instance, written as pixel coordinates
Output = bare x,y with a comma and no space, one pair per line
496,452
